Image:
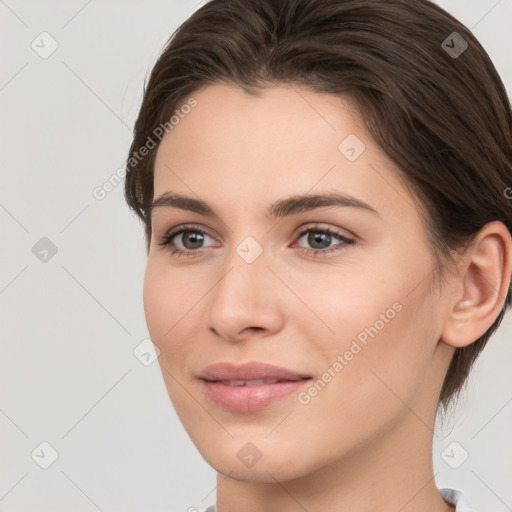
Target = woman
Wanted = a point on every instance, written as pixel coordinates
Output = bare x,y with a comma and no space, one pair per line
328,236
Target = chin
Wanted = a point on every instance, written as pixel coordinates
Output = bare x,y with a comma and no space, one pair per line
243,461
267,472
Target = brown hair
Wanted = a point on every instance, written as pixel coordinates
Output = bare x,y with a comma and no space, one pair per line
444,118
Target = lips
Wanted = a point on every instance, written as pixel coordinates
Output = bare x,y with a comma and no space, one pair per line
249,387
252,371
255,382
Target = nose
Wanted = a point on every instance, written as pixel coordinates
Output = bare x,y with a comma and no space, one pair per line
247,299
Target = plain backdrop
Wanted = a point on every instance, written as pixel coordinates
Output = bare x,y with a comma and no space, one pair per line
71,76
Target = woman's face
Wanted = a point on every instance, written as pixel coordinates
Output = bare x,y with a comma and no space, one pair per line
338,293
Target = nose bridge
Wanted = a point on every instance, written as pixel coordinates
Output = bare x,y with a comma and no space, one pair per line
244,296
245,271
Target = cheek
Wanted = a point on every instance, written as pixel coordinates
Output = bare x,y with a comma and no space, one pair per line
368,326
166,307
341,302
156,303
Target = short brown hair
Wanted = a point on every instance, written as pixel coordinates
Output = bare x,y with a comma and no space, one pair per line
444,119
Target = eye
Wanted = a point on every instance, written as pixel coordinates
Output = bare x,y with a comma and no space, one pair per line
320,240
189,240
184,240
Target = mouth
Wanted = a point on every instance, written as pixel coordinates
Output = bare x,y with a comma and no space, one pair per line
249,387
252,395
258,382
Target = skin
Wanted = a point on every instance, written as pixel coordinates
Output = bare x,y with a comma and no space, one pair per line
364,443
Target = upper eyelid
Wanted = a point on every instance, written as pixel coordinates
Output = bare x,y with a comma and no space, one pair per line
319,227
197,227
299,232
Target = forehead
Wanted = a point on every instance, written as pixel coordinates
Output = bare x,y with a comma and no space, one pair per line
286,140
279,116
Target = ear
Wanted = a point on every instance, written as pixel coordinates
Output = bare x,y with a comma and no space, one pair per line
484,280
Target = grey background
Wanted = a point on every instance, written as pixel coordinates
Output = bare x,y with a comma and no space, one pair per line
70,324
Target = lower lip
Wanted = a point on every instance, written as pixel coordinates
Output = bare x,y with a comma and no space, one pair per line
250,398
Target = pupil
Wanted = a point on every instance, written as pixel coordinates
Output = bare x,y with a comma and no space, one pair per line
194,238
315,238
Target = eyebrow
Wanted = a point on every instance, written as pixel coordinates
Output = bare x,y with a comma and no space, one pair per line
284,207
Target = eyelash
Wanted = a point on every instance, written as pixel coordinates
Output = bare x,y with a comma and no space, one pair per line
167,238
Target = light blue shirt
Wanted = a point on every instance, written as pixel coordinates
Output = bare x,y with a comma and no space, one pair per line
456,498
451,496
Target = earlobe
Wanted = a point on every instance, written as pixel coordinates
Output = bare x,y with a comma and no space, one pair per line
485,280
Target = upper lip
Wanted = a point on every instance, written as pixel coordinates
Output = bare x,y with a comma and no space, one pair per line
248,371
